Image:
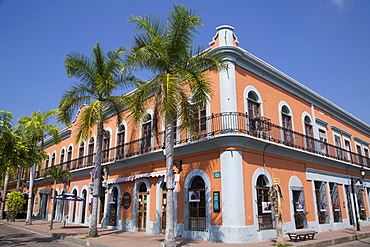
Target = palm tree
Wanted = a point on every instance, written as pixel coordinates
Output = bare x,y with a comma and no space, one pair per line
36,128
58,175
180,85
100,77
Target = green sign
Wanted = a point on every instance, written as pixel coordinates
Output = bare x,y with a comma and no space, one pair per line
216,201
217,174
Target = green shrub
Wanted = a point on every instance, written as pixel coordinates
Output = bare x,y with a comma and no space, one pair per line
15,202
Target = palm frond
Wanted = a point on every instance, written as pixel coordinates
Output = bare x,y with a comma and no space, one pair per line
72,100
181,30
90,116
79,66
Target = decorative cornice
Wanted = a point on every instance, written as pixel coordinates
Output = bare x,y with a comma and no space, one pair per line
64,134
361,141
341,131
257,66
322,122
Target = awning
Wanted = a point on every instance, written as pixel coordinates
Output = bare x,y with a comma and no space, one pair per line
133,177
69,197
45,191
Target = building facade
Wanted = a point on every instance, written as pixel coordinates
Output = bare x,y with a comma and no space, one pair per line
260,128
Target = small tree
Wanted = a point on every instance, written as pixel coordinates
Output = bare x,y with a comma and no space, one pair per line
58,175
15,203
36,128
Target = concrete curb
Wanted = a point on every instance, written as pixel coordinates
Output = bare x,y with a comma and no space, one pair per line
334,241
60,236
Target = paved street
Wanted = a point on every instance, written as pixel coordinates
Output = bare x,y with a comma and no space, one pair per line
365,242
13,236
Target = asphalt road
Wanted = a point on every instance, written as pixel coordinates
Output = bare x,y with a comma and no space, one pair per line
13,236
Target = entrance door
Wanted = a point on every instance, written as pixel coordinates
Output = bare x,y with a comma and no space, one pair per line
102,203
197,205
44,205
349,205
83,211
141,210
163,211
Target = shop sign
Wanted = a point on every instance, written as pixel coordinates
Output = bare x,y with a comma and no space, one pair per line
217,174
299,206
194,196
216,201
126,200
266,207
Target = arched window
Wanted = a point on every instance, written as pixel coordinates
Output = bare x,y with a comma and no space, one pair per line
286,120
90,157
53,159
47,161
62,154
69,157
253,104
121,142
106,143
253,113
81,152
309,133
197,205
264,206
146,130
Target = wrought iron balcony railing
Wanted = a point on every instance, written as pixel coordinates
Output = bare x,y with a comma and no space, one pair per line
221,124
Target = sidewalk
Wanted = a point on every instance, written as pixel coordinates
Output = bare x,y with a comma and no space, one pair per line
108,238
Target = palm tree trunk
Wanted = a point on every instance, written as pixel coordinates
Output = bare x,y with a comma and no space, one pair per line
6,182
169,239
19,176
53,207
93,232
30,195
279,219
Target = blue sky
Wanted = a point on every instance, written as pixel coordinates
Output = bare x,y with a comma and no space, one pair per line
324,44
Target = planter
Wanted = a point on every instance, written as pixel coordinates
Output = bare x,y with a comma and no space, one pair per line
10,216
299,226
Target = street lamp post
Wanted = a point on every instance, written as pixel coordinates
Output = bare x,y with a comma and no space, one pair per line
353,195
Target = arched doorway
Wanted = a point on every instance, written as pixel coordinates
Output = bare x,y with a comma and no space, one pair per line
197,205
83,211
74,206
60,207
113,207
163,202
141,207
264,207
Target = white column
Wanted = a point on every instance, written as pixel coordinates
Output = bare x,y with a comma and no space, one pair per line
232,194
228,88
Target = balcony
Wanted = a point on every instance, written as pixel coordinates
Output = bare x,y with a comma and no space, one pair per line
220,124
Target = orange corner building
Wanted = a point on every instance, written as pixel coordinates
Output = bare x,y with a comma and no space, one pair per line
260,128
